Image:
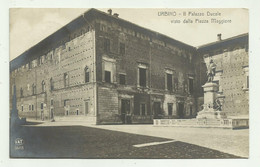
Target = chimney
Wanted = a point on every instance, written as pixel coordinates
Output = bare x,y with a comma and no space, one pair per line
116,14
219,37
109,11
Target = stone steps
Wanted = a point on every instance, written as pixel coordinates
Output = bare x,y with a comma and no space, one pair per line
85,119
200,122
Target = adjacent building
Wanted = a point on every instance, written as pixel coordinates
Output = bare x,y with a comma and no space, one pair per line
102,69
232,72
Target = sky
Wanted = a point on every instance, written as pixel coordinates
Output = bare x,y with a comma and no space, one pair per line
28,26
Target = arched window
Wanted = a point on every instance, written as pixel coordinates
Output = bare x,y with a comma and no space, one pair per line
86,74
33,89
66,80
43,86
51,84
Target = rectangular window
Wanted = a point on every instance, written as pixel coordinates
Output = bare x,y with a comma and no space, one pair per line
29,107
51,101
122,48
32,107
86,76
122,80
169,82
22,108
170,109
143,109
190,85
106,45
41,106
66,80
77,112
142,77
108,76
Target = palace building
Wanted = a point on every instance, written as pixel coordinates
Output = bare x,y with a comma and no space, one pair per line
102,69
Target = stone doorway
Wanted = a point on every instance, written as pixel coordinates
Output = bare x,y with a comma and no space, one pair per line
125,111
180,110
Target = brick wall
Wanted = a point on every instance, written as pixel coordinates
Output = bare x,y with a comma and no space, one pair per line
71,58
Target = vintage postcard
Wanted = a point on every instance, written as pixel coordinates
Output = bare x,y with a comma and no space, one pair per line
128,83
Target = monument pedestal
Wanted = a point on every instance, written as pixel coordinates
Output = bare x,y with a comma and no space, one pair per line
210,95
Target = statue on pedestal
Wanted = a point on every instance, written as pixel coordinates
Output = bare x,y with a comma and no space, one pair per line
211,71
212,107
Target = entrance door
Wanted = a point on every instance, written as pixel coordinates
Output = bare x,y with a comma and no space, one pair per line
170,109
125,109
181,110
157,110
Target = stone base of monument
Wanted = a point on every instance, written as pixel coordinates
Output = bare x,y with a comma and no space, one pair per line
211,114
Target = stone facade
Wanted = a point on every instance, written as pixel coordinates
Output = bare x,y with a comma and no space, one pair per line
102,69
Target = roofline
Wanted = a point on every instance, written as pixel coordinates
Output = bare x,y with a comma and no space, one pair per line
222,41
144,28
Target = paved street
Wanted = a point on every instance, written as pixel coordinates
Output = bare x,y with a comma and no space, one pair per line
118,141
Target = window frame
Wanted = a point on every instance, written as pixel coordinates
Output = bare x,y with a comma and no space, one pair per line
86,74
43,86
51,84
106,45
142,80
106,72
66,80
191,88
124,75
169,83
122,48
